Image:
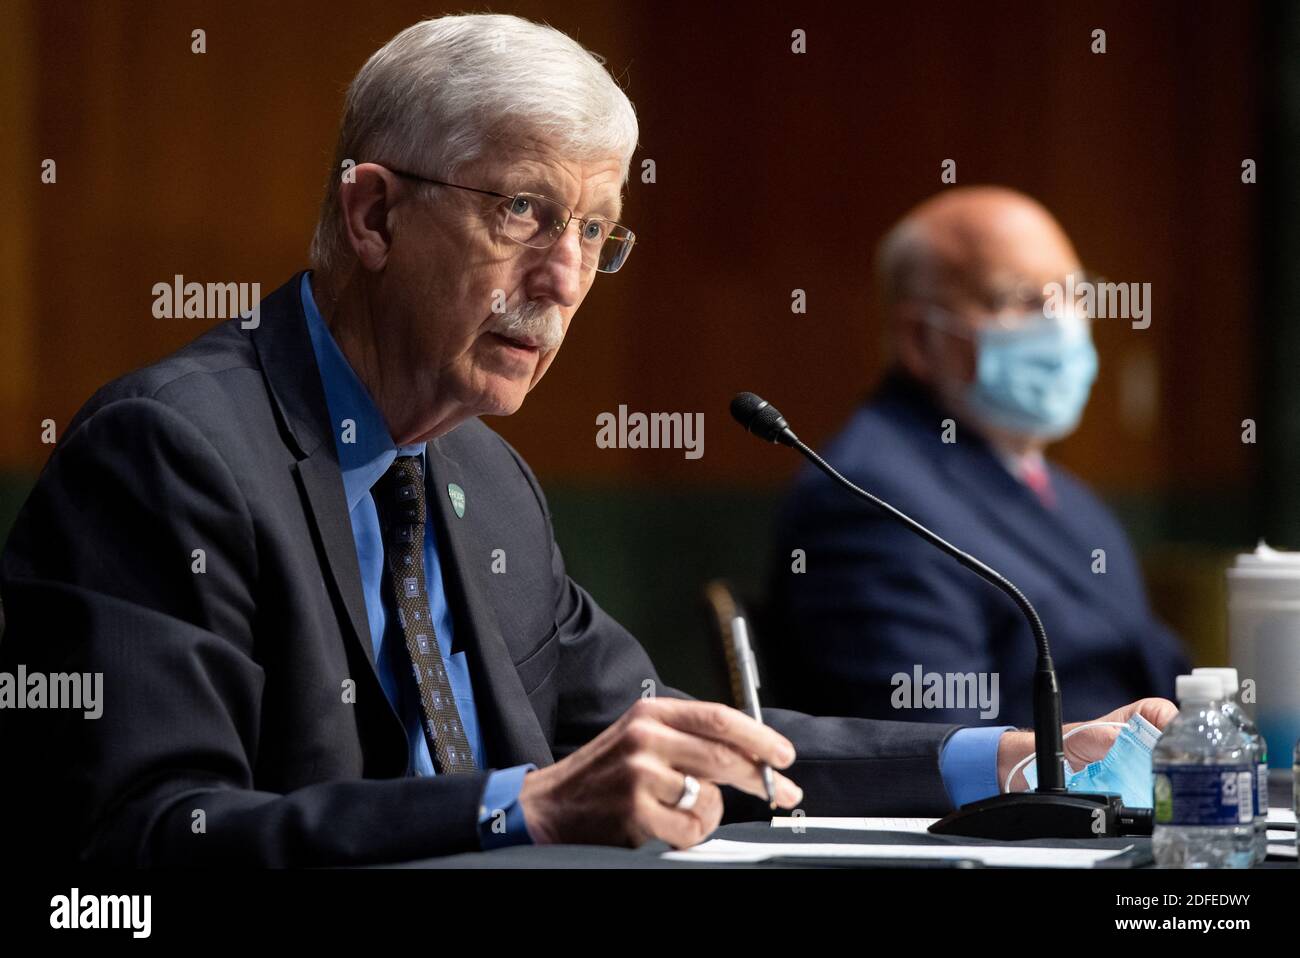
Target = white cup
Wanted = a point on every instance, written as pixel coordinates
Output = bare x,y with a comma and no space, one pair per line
1264,643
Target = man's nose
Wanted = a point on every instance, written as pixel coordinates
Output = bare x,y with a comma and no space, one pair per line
559,273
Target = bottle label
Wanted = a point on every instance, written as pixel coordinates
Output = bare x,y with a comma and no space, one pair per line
1261,791
1205,795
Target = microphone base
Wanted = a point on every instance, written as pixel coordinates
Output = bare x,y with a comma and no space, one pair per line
1021,815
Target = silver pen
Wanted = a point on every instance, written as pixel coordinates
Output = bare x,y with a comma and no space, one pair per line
746,672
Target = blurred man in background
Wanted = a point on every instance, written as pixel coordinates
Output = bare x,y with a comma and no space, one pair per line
986,373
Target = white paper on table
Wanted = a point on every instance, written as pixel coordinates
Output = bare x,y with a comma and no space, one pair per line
1281,815
919,825
726,851
1283,851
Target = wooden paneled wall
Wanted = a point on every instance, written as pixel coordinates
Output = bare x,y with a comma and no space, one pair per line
774,171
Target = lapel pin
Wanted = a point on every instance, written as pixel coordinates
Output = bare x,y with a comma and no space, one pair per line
457,496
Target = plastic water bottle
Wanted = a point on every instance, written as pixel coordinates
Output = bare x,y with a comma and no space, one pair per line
1204,774
1243,721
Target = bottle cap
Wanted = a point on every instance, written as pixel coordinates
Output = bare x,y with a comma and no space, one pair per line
1198,688
1227,676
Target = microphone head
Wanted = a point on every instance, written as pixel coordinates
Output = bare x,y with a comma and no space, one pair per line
761,418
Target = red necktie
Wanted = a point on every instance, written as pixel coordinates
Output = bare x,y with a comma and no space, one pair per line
1033,472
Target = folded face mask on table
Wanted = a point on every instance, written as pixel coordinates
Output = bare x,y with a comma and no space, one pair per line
1125,769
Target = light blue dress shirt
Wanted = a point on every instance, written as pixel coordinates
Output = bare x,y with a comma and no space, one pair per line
363,461
967,763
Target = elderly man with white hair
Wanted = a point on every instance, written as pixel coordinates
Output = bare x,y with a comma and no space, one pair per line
280,545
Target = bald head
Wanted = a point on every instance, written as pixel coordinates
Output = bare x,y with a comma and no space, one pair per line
973,247
974,257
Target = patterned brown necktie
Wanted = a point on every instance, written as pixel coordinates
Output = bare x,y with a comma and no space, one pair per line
399,494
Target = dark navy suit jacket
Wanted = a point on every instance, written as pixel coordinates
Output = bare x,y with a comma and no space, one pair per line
876,600
222,691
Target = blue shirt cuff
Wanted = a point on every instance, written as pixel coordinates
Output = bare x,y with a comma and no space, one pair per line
969,763
500,816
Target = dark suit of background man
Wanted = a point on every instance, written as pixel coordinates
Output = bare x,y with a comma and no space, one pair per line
963,278
348,678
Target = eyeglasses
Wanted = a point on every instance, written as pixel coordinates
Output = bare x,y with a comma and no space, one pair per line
1068,294
538,221
1025,304
959,324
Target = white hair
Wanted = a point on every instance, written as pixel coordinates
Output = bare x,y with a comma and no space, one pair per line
443,92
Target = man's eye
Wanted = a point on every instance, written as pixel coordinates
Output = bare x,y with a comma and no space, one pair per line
520,206
594,231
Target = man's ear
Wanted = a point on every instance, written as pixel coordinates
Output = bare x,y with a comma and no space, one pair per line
365,204
912,341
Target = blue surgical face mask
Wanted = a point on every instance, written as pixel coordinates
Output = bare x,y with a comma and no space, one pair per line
1033,377
1125,769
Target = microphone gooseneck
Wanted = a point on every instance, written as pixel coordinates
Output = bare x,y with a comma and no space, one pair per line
765,421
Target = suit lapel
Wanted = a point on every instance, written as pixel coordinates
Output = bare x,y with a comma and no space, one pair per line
319,479
982,482
293,378
1008,505
511,733
1074,520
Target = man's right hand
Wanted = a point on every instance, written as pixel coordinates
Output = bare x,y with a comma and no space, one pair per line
621,787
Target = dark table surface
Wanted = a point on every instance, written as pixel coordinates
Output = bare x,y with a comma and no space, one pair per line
649,855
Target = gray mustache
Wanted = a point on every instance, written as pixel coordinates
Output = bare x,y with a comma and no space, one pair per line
535,321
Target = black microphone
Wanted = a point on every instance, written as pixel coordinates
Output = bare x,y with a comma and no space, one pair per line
1047,812
761,418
